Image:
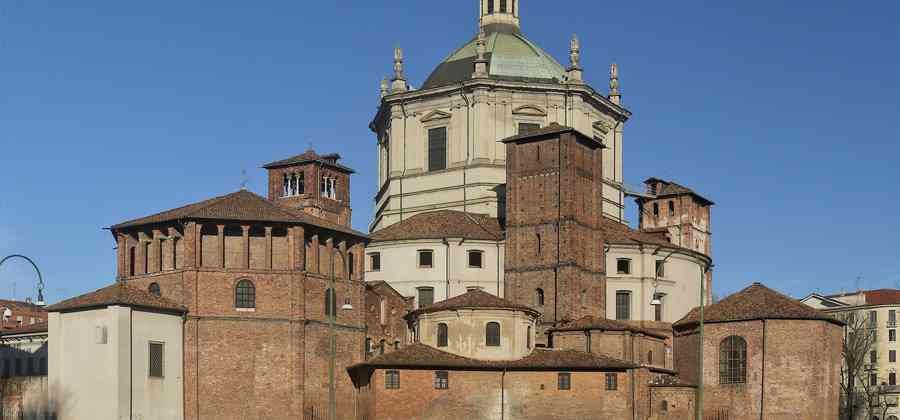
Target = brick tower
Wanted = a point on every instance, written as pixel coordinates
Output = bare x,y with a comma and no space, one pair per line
554,244
316,184
678,212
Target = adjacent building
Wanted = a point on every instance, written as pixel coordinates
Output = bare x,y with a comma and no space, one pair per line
24,390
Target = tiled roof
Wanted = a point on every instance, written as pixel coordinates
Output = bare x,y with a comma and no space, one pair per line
550,129
442,224
475,299
619,233
671,188
311,156
423,356
594,323
19,306
882,296
755,302
40,327
119,293
242,206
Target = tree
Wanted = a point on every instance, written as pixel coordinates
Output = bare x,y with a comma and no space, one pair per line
856,387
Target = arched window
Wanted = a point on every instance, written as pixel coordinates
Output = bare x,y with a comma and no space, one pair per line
539,297
539,245
442,335
650,357
154,289
245,295
330,302
733,360
492,334
664,406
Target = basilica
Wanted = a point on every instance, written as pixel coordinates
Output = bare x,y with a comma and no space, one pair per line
499,278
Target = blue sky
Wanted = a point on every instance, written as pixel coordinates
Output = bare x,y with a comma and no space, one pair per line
783,113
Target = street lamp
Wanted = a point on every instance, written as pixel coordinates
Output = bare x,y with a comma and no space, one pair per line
40,296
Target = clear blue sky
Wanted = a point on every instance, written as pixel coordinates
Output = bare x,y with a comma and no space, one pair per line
783,113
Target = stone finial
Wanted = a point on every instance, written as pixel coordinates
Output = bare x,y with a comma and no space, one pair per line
574,52
574,74
385,87
614,95
399,82
481,63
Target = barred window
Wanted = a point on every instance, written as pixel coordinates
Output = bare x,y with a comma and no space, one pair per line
564,381
733,360
492,334
441,380
392,379
156,360
426,296
154,289
245,295
612,382
442,335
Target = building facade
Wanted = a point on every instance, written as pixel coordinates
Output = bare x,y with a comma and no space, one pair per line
24,390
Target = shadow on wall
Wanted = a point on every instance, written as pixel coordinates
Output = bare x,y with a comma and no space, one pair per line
500,190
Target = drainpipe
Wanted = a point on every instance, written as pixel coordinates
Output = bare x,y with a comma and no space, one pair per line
131,362
700,358
762,393
447,267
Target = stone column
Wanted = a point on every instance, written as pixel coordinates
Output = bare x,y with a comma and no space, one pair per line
268,247
245,256
221,241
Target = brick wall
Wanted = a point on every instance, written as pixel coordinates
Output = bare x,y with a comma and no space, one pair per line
672,402
311,201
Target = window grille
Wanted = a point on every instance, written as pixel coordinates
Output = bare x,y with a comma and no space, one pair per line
392,379
441,380
426,296
612,382
564,382
156,360
245,295
733,360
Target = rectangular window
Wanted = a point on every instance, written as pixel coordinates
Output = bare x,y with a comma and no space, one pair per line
623,266
392,379
873,379
565,381
476,259
873,319
441,380
873,357
426,296
892,379
525,128
612,382
623,305
658,310
375,261
437,149
892,318
892,335
426,259
156,360
892,356
661,268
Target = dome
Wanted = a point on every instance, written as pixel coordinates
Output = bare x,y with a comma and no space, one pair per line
510,56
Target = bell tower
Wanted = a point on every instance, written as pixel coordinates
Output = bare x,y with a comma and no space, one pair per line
315,184
500,15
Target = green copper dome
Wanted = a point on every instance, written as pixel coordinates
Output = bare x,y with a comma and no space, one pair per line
510,57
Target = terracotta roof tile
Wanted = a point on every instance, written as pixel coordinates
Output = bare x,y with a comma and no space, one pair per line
475,299
755,302
238,206
119,293
671,188
311,156
620,233
442,224
594,323
882,296
40,327
423,356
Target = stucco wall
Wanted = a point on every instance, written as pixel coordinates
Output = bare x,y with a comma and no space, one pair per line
466,333
95,378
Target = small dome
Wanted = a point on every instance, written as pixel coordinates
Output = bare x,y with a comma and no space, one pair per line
510,56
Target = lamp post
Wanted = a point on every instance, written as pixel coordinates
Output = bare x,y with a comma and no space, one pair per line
40,296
